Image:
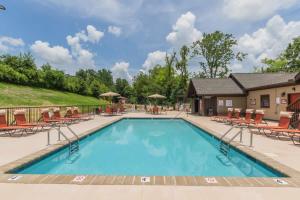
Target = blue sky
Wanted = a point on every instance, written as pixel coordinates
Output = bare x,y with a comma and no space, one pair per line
131,35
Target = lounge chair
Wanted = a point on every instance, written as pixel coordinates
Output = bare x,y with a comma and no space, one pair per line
291,133
284,122
236,116
246,120
57,116
8,129
79,115
109,111
20,120
222,118
155,110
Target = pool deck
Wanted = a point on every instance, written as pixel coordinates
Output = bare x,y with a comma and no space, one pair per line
282,155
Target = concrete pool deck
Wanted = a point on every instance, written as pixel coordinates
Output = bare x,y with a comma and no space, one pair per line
14,148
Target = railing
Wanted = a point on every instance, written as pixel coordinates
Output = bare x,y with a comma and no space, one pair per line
33,113
294,107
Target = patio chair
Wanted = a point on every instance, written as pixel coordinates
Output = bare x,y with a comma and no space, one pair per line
155,110
9,129
57,116
20,120
49,120
108,110
246,120
284,123
79,115
224,118
236,116
291,133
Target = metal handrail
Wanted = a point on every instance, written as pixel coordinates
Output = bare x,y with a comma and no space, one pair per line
77,138
227,132
70,142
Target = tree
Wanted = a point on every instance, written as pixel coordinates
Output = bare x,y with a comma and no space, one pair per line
52,78
170,62
215,52
287,61
181,66
106,78
123,88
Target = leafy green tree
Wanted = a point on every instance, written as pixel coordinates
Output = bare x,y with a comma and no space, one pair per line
105,77
123,88
182,68
287,61
52,78
142,87
215,52
170,62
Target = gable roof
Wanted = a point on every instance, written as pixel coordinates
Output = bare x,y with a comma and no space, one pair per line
219,87
251,81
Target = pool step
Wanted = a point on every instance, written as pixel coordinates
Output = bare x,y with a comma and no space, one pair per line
224,148
74,147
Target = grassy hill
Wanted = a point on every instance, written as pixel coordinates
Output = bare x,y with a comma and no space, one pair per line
16,95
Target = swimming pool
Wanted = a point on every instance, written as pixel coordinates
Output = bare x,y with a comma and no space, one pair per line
148,147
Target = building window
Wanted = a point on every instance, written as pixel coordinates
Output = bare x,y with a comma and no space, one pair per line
265,101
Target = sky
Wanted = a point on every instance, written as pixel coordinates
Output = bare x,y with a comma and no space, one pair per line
127,36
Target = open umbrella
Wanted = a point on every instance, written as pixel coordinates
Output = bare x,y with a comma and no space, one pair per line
110,95
157,96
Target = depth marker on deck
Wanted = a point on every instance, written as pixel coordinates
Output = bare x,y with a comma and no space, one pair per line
211,180
79,179
280,181
14,178
145,179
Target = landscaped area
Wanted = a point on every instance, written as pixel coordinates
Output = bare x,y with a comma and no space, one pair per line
10,96
150,100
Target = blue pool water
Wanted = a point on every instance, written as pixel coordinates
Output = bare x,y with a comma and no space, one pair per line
150,147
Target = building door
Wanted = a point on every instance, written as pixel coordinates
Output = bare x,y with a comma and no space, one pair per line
293,97
196,105
210,106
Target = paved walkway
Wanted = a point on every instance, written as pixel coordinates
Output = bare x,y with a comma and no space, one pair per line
13,148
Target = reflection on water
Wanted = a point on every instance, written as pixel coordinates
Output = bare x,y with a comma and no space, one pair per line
153,150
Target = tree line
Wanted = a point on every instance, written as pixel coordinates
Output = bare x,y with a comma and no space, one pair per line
214,53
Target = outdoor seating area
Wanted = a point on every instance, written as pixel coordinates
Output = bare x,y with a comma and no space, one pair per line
23,126
258,125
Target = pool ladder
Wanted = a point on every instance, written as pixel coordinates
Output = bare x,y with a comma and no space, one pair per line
224,147
73,143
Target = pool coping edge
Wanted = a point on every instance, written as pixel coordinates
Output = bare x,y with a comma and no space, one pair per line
293,179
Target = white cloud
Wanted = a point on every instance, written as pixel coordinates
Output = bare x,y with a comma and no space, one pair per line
154,58
93,34
252,10
120,70
56,55
268,41
69,60
9,43
115,30
84,57
184,31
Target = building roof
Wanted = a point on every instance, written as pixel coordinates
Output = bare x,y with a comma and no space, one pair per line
220,87
250,81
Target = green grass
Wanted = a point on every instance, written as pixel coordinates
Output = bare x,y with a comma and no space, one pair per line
16,95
